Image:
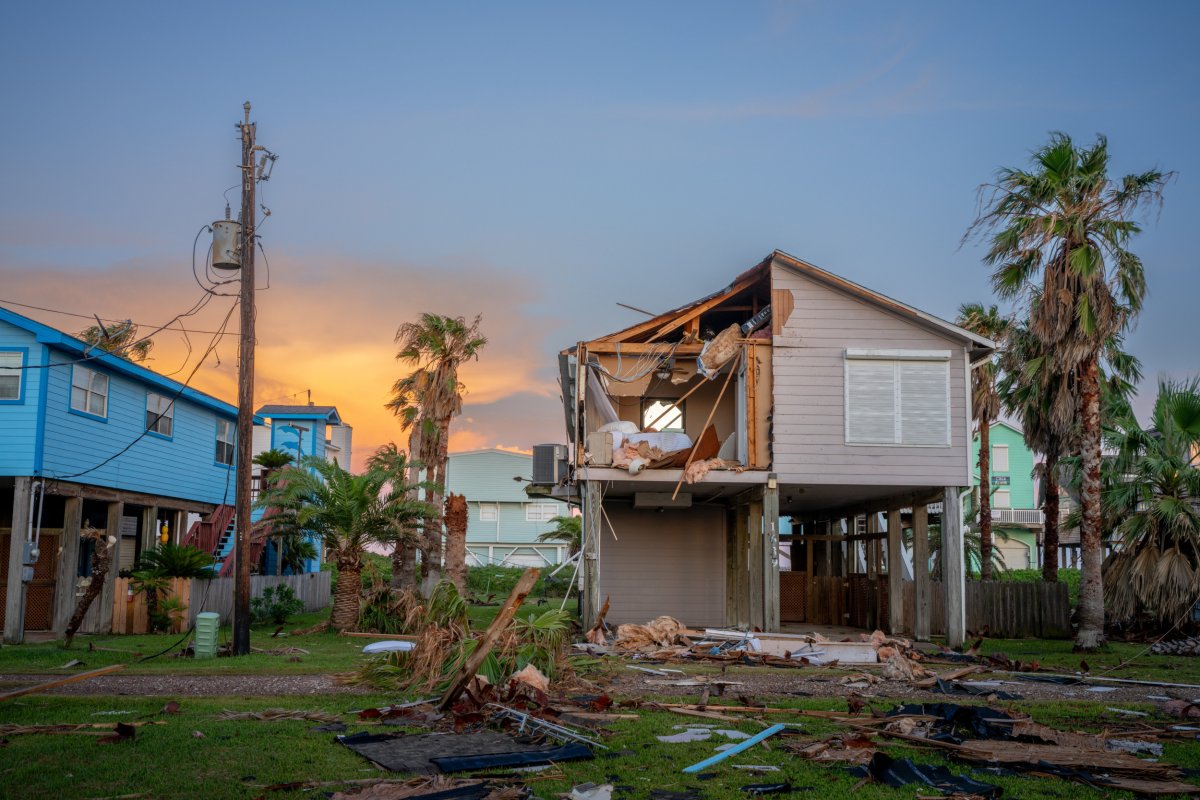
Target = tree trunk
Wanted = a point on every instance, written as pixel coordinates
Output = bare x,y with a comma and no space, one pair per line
404,554
99,575
1050,529
346,597
985,499
456,541
433,524
1091,591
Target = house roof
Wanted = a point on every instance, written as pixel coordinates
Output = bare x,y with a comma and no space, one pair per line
492,450
325,413
668,320
65,342
871,296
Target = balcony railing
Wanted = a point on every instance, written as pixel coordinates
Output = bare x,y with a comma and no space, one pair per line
1018,516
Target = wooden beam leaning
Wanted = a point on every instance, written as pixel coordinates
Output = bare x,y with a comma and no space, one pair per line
488,640
953,568
80,676
895,560
112,528
922,600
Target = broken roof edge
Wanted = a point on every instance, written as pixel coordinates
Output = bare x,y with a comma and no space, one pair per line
788,261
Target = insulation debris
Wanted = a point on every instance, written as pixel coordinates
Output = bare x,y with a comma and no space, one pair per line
659,632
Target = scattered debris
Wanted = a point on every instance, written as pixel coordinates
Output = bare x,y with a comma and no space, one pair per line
533,677
1187,646
124,732
899,773
659,632
737,748
845,748
590,791
277,715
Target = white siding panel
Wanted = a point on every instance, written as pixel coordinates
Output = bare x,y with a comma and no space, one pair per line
808,363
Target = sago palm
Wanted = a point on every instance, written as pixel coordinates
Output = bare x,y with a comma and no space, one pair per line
1152,495
347,513
1061,230
985,407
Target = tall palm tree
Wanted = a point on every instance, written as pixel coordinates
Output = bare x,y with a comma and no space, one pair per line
1152,493
1062,229
985,407
348,512
407,394
428,399
1027,388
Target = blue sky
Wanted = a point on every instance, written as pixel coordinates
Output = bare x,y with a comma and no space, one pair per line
538,162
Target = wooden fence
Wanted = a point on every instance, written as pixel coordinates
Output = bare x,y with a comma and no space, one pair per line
130,615
1005,609
311,588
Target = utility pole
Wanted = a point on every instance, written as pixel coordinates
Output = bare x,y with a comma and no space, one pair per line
245,419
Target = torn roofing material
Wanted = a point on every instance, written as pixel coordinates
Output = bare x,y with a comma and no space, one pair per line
649,330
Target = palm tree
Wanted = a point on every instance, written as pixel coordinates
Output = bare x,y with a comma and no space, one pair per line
566,529
271,462
985,407
403,469
347,512
1028,389
120,338
1152,493
1062,230
427,399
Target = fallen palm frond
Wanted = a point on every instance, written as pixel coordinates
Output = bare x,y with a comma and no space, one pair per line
444,643
93,728
278,714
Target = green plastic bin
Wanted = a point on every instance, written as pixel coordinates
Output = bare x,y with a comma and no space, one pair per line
208,623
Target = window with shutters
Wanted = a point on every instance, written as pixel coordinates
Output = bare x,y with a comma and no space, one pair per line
999,458
898,397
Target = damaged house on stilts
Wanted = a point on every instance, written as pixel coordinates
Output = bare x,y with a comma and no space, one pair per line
796,394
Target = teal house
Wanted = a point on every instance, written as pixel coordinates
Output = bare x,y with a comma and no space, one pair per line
89,439
504,522
1014,496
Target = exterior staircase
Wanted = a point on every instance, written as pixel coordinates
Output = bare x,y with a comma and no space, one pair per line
217,535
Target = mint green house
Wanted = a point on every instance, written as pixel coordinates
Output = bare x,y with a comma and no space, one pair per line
504,523
1014,498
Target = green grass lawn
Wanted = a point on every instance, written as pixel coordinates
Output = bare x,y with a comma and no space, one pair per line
235,759
1056,655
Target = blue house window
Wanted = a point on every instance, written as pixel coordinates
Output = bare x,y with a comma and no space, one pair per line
160,414
225,439
11,362
89,391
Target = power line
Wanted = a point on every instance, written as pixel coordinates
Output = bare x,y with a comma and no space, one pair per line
102,319
211,346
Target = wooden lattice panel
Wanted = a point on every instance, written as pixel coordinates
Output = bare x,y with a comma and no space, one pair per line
793,588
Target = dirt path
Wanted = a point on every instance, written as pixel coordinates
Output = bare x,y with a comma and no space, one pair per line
192,685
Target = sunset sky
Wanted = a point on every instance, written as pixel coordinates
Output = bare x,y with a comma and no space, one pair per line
537,163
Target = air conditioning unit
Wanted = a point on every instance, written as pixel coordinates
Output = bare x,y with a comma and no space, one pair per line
549,464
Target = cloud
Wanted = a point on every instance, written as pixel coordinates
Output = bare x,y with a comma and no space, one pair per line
327,324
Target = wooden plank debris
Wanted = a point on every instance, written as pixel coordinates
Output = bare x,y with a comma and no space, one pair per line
80,676
488,640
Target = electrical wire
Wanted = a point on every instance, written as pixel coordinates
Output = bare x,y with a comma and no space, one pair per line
4,301
185,385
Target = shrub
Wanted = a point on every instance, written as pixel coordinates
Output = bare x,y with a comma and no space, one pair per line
498,582
1070,577
276,605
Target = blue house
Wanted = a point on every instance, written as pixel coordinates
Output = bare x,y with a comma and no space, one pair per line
300,431
504,522
90,439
